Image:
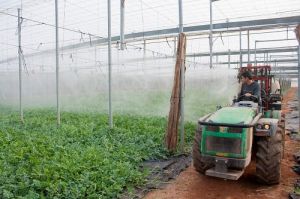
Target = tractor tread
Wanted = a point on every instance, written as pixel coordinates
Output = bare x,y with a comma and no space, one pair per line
200,165
268,159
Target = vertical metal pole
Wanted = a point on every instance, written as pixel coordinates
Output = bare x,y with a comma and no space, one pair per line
280,77
145,48
241,56
182,83
248,40
95,55
122,24
210,35
299,80
255,55
109,64
175,51
20,66
229,56
144,56
57,62
180,17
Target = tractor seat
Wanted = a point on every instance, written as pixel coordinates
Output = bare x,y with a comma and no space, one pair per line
248,104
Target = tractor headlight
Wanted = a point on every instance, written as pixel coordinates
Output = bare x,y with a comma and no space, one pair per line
267,126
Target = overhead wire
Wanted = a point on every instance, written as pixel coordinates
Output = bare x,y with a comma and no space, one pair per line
171,20
51,25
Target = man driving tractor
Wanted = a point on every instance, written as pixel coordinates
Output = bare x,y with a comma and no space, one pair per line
250,88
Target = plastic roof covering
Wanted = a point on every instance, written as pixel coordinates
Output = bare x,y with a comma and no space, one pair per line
141,15
86,69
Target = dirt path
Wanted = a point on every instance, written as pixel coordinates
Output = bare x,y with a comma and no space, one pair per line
190,184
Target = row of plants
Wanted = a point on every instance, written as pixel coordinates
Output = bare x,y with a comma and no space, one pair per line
82,158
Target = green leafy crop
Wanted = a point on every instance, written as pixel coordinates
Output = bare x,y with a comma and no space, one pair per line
82,158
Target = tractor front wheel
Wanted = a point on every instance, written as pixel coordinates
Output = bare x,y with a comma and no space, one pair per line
200,165
268,158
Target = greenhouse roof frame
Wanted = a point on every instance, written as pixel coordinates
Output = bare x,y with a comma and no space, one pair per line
224,27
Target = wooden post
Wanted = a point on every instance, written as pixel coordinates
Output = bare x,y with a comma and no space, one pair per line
171,137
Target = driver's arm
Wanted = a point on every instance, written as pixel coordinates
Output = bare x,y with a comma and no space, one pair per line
241,90
256,90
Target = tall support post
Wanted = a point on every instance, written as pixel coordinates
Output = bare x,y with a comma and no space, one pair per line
144,55
229,57
255,54
109,65
175,51
20,67
210,35
299,80
57,63
281,75
122,23
95,56
180,16
248,41
145,45
241,55
182,82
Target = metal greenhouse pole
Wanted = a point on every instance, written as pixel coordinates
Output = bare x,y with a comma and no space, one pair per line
122,23
241,55
248,41
299,81
175,50
255,55
109,64
20,66
57,62
299,77
210,35
180,17
297,32
229,58
182,67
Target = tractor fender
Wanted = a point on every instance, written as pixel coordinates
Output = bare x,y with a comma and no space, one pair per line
202,119
276,114
260,129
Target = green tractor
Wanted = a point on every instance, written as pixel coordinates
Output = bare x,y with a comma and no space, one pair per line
227,140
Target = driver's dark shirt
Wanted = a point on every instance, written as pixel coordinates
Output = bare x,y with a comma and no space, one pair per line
253,89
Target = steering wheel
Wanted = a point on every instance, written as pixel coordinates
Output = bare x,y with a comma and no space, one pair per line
253,98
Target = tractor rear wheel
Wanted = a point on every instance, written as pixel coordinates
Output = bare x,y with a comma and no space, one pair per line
268,158
200,165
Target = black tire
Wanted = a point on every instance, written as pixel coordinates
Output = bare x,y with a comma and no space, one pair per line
200,165
268,159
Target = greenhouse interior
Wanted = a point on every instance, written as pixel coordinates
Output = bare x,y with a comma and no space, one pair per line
150,99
